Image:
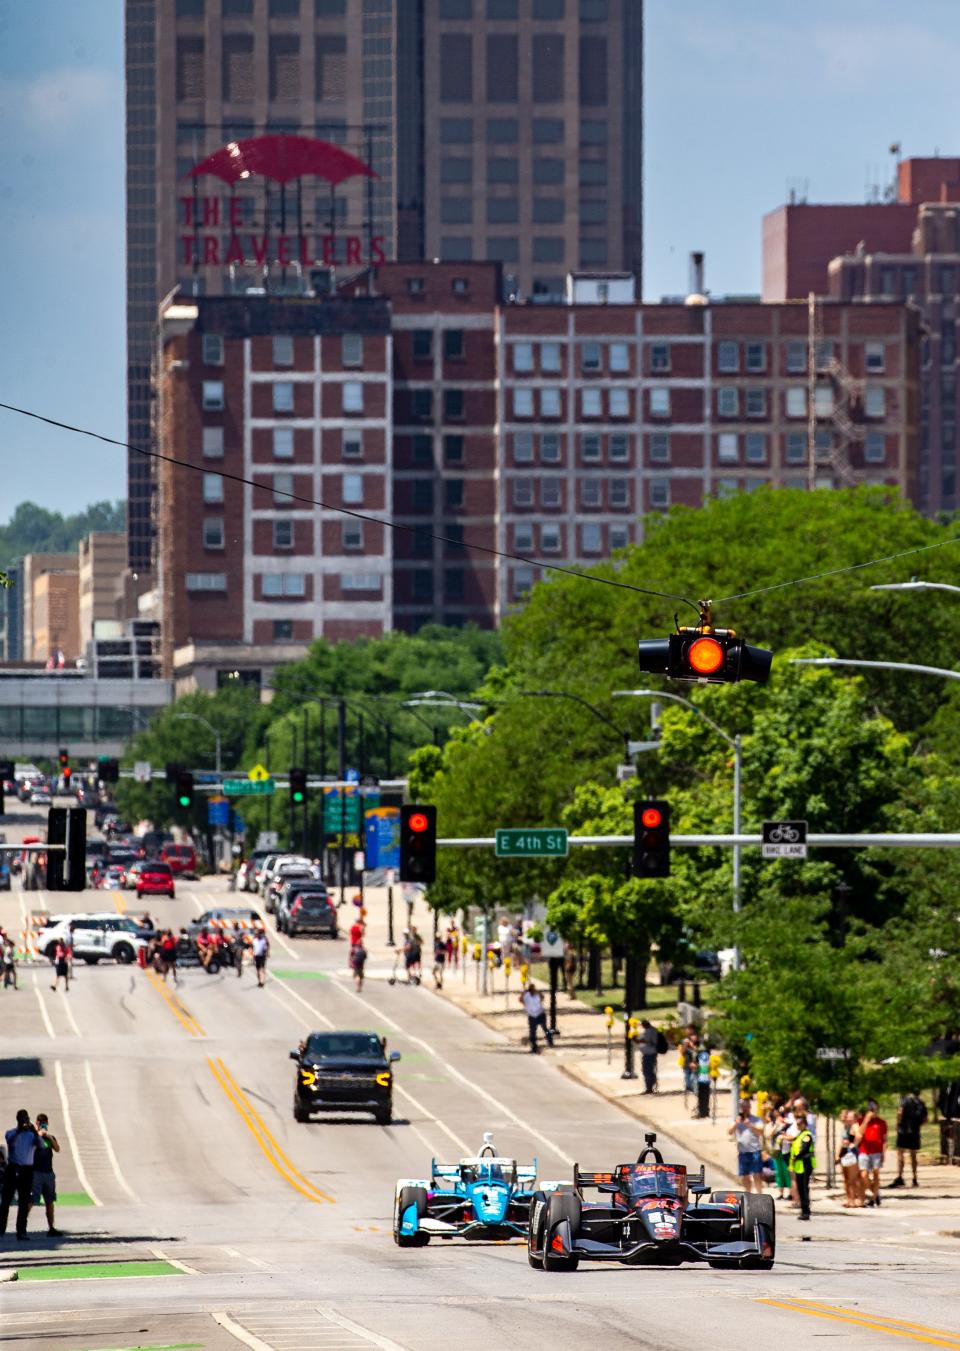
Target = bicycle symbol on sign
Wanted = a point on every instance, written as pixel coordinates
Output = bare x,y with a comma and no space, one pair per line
784,833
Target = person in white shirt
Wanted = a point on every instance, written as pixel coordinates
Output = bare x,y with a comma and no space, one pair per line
532,1002
748,1130
261,949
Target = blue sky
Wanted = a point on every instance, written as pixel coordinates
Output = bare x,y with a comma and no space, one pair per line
743,100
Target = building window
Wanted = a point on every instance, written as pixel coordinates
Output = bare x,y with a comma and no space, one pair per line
619,492
550,402
796,401
619,536
352,396
213,443
590,359
453,344
591,538
756,356
500,170
522,447
728,401
213,532
423,450
212,349
728,448
206,581
283,630
619,402
888,281
283,584
212,488
422,586
282,349
453,405
523,537
875,357
415,286
351,536
659,447
591,492
550,494
796,450
756,401
351,445
423,404
503,130
823,400
875,448
456,211
283,443
523,357
453,494
591,403
796,357
523,403
522,582
352,490
453,449
823,354
282,489
523,492
456,68
590,447
422,344
423,494
213,396
548,210
550,448
660,356
659,494
728,357
619,358
282,396
550,358
755,447
875,401
547,170
283,534
351,349
456,130
550,539
660,402
618,447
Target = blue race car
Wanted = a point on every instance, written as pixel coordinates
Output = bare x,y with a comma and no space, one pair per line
485,1197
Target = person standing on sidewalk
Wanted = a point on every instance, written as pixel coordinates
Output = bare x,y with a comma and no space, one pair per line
748,1130
911,1115
802,1164
871,1149
22,1143
689,1051
532,1002
10,964
44,1179
649,1041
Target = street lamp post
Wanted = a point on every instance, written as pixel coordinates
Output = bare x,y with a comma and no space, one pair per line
195,717
880,665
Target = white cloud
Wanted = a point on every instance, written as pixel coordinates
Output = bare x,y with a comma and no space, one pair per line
58,99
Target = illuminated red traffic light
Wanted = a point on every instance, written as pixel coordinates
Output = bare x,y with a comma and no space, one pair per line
418,843
418,823
651,817
705,656
651,838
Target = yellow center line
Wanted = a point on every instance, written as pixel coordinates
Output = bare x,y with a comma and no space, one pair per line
180,1013
263,1136
119,903
893,1327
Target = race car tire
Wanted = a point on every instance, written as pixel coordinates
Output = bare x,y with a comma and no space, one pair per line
561,1206
123,953
757,1209
410,1196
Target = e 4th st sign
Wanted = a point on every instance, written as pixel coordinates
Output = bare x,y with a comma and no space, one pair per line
784,839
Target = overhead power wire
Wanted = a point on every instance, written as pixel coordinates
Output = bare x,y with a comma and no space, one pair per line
346,511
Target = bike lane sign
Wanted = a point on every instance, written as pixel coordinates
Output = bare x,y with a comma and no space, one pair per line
784,839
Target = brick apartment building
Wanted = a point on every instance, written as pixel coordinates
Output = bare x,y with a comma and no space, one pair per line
904,251
549,431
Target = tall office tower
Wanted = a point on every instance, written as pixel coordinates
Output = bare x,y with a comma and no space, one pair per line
533,136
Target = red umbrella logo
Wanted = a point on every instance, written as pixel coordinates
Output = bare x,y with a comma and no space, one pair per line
282,159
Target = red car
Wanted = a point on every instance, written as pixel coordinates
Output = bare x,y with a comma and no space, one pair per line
182,859
155,879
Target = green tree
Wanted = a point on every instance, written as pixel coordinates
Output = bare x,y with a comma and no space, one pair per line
32,529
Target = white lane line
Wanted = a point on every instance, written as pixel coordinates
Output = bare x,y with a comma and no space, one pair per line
173,1262
365,1335
235,1330
108,1145
245,1257
274,932
43,1009
68,1127
468,1083
402,1091
70,1018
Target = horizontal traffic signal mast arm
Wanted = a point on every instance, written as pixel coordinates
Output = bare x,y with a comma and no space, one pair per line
946,840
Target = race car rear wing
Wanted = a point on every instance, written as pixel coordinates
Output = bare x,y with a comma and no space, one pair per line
594,1179
450,1172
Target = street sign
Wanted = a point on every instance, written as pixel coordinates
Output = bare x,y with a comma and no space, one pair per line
267,839
353,776
258,774
218,811
784,839
550,843
832,1053
248,787
141,771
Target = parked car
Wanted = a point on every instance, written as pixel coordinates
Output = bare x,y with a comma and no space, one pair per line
287,872
305,910
41,797
249,868
154,878
182,859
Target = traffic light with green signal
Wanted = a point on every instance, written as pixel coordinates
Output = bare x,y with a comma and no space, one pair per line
185,788
298,786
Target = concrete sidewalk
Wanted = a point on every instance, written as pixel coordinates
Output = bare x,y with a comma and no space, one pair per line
585,1051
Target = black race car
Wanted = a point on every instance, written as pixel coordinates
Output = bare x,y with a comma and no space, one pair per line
344,1072
645,1218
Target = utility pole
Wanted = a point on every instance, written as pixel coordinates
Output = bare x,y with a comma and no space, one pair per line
342,773
306,766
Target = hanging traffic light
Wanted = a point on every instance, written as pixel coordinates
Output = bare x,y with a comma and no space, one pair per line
109,770
64,757
173,772
651,839
298,786
185,788
418,843
705,654
67,865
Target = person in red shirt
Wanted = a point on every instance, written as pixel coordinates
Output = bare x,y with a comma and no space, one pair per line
356,934
871,1146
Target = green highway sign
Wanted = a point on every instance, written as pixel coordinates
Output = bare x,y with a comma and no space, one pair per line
550,843
248,787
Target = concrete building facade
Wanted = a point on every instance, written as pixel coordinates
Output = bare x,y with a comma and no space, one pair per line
60,603
102,564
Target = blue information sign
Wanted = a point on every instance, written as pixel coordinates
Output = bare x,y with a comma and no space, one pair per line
218,811
382,837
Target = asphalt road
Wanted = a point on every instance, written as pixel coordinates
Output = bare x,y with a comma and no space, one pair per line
173,1108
